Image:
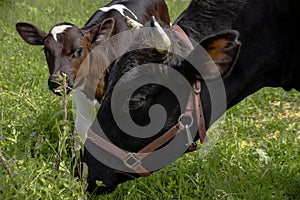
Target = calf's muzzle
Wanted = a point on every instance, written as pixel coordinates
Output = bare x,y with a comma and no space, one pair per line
56,83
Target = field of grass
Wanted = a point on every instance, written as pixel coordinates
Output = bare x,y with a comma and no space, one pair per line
256,156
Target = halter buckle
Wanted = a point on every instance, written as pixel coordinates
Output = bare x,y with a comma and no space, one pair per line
131,161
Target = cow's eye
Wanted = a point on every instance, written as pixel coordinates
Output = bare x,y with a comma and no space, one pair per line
79,52
136,103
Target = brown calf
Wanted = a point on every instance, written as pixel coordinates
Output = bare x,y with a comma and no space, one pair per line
66,46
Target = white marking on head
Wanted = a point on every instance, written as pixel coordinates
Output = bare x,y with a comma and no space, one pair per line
58,29
118,7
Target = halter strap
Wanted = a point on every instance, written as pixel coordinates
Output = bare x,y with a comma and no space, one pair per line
134,160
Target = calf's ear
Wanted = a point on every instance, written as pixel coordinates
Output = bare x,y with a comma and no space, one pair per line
30,33
215,56
101,31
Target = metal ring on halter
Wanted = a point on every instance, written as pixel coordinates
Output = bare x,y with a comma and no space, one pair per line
196,90
191,119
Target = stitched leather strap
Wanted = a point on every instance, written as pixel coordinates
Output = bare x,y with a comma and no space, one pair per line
116,151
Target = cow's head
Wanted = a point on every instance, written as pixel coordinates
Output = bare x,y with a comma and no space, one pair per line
150,45
65,47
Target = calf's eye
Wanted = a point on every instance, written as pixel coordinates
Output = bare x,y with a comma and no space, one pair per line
78,52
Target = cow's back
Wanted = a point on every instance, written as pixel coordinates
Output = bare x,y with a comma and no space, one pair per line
142,9
270,43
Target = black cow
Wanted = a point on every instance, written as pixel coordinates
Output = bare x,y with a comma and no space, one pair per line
66,46
267,57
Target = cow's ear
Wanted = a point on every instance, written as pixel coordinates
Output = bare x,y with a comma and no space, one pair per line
223,48
30,33
101,31
215,56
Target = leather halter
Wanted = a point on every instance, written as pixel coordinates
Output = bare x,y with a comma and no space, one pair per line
134,160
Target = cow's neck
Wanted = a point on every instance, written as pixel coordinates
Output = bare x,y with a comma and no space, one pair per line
209,17
268,55
267,58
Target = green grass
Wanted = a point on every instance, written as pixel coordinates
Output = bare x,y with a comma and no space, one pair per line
256,156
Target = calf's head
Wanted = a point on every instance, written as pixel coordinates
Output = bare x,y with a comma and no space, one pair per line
152,55
65,46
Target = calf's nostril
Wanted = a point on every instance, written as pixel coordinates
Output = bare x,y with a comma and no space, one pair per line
53,84
56,83
70,83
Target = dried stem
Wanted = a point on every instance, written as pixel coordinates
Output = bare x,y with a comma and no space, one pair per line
65,118
5,165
